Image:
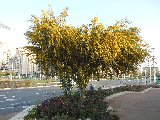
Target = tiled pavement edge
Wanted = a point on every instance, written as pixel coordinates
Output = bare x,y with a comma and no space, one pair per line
21,115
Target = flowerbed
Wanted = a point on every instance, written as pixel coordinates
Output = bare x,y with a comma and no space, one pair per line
73,108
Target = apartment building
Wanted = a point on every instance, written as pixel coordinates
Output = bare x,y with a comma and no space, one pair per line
5,60
4,55
17,61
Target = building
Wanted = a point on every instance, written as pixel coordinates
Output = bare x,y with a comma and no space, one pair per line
5,60
17,61
3,52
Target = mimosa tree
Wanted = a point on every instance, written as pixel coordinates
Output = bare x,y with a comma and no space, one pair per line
81,53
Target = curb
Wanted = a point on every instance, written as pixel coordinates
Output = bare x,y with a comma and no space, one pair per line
122,93
27,87
21,115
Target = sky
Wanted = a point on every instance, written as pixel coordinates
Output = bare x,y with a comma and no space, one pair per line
144,14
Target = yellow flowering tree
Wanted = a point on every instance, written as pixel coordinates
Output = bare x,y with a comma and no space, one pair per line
81,53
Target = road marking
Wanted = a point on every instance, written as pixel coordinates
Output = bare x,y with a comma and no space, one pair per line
10,99
13,96
37,93
10,107
2,95
7,108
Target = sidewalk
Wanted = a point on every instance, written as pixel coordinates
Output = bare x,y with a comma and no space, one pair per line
137,106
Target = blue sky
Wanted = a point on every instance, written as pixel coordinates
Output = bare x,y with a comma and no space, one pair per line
144,14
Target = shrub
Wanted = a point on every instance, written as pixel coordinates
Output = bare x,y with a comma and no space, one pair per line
73,108
29,83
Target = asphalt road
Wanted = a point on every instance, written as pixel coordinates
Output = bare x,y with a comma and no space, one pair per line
15,100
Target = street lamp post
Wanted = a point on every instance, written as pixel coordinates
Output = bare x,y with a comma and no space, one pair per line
11,84
153,60
11,70
21,65
150,74
150,70
145,77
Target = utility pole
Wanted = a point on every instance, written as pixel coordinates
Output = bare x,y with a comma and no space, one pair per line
145,77
153,59
149,69
150,74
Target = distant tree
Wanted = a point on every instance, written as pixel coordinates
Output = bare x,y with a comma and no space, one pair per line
81,53
4,73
